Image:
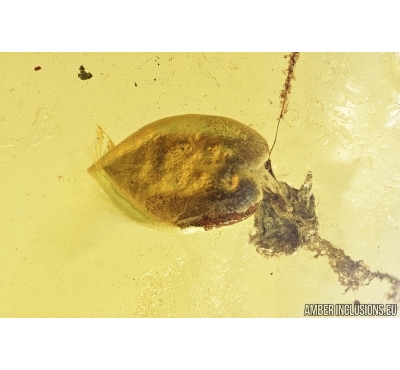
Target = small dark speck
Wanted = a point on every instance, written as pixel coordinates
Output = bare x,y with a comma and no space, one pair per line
155,79
83,75
38,68
271,273
135,84
356,301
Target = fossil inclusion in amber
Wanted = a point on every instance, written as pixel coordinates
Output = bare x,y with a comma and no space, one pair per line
190,170
210,171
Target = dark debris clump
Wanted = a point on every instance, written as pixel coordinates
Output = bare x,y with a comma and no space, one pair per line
285,223
83,75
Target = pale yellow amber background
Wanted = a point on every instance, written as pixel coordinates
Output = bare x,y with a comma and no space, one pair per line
67,251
